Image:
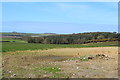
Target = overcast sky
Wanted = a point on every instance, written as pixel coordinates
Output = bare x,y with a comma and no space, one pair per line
60,17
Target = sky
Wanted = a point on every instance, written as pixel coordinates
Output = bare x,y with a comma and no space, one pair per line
60,17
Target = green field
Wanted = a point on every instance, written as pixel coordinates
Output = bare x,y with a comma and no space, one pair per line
10,39
18,46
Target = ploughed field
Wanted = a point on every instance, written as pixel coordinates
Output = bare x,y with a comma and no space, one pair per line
62,61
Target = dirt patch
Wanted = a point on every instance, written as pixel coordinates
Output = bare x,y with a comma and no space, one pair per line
100,62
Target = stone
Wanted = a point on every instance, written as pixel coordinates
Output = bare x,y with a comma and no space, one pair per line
14,74
90,57
9,72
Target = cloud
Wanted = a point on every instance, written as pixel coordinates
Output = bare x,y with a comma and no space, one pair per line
68,6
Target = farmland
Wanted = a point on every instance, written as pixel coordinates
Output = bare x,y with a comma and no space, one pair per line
62,63
18,46
22,59
30,60
13,40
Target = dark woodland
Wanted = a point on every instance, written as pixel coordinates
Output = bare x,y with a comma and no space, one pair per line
80,38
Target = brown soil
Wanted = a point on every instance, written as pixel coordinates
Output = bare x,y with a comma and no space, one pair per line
24,64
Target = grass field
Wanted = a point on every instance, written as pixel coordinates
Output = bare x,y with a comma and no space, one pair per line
18,46
10,39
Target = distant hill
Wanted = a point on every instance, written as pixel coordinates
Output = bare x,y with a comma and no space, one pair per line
52,38
79,38
20,35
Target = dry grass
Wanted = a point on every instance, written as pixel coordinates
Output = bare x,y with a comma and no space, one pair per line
25,63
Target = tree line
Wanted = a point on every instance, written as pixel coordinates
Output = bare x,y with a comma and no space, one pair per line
80,38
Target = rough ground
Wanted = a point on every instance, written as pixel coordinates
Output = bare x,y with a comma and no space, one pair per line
63,62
